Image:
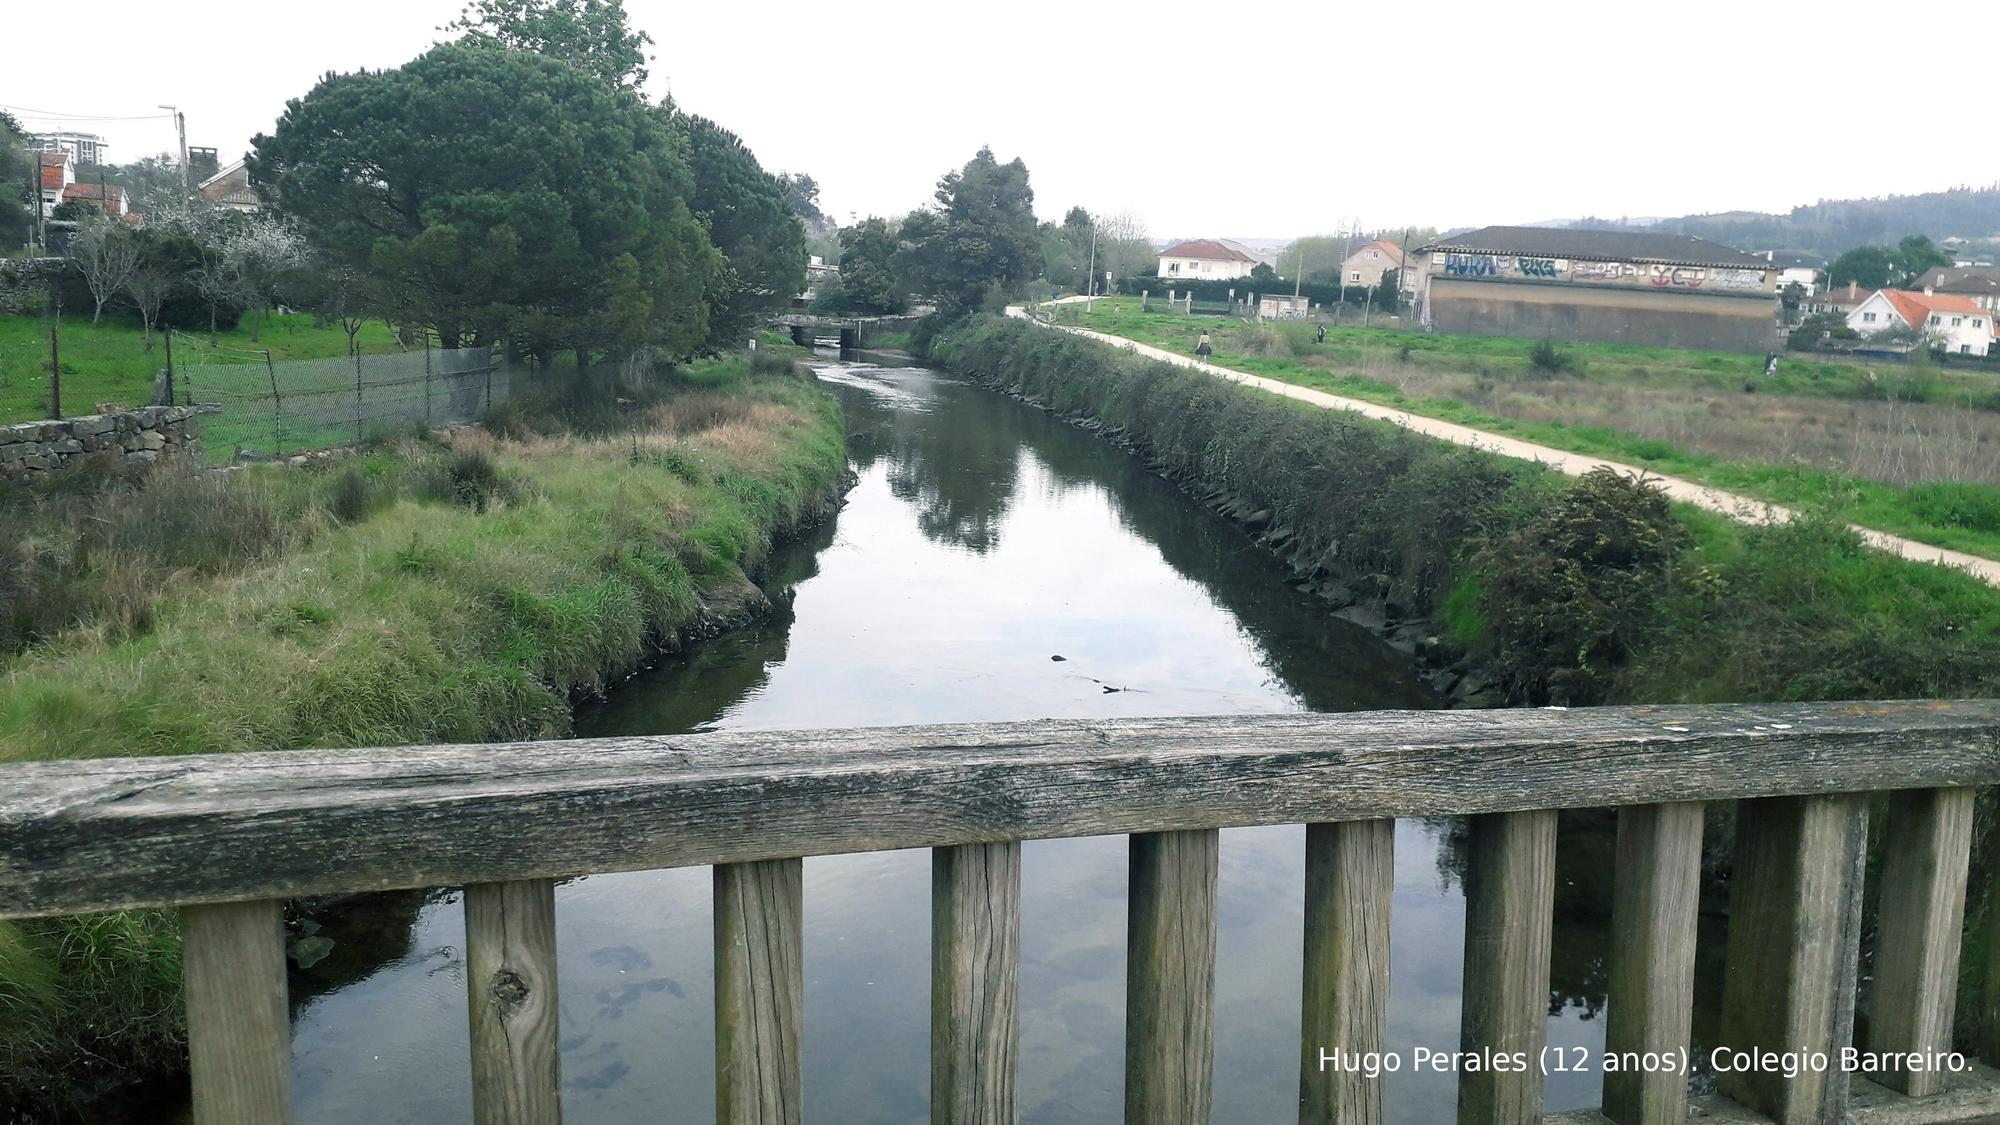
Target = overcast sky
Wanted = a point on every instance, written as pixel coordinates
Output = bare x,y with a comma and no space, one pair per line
1229,120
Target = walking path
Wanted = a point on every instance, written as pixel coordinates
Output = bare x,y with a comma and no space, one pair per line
1738,507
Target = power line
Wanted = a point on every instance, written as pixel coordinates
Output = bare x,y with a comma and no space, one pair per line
58,115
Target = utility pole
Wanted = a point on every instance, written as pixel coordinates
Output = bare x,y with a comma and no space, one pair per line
1090,271
181,126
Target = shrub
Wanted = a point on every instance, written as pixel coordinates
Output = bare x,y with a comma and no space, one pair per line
1549,359
1568,594
771,363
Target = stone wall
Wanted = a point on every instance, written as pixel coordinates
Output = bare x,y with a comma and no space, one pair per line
138,437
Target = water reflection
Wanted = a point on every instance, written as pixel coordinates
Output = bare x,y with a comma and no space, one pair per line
983,540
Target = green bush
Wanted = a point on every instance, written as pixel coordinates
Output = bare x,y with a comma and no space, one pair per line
1584,590
1970,506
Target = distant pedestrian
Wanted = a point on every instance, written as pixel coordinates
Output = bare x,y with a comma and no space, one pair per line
1202,348
1320,336
1770,364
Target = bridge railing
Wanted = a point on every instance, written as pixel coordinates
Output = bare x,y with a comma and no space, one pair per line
227,838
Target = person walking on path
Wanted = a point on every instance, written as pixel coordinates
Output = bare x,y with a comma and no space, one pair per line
1202,348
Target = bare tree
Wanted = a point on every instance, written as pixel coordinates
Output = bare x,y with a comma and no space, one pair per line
158,271
106,251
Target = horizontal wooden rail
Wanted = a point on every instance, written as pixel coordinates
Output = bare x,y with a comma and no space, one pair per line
227,838
81,836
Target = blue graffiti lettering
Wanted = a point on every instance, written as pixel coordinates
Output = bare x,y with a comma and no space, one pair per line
1470,265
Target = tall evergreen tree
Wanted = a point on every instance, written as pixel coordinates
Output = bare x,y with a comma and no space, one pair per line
981,238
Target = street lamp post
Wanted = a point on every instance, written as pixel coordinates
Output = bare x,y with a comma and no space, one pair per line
181,127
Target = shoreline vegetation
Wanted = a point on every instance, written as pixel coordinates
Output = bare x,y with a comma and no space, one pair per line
1513,583
1904,450
462,586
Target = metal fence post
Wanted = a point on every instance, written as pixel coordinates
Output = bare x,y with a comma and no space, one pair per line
357,397
427,379
277,406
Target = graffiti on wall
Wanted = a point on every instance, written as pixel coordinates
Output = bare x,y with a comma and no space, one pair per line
1501,265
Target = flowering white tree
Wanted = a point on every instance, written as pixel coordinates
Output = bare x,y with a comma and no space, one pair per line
213,272
106,251
264,252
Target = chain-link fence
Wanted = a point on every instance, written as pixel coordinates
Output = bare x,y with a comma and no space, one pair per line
290,406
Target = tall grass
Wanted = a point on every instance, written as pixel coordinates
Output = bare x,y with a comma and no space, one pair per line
414,592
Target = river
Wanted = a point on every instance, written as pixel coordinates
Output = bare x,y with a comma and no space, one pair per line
992,563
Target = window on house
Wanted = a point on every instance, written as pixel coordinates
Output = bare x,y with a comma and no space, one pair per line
1977,323
1355,276
1194,267
1868,318
1956,321
1936,319
1173,267
1965,349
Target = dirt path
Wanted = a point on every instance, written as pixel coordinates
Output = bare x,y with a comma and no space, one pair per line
1733,505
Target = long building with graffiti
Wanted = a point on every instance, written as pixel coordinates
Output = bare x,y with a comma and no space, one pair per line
1618,286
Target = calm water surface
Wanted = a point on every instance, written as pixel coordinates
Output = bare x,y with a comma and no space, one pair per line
984,539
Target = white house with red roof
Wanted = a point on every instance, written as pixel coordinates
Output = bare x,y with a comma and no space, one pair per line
1948,320
1204,259
58,175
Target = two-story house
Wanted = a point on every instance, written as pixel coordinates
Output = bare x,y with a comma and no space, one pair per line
1364,268
1947,320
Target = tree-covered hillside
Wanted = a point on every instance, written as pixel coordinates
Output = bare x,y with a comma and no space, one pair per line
1832,226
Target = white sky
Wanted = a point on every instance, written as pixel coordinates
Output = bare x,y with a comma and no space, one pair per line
1447,114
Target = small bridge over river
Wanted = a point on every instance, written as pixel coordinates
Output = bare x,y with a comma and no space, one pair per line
227,838
852,331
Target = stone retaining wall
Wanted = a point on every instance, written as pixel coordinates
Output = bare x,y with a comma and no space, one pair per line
138,437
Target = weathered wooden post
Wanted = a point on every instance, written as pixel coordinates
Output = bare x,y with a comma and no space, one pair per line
975,983
1510,890
1655,904
1350,872
1794,939
510,987
1926,850
1145,300
1170,978
239,1030
759,991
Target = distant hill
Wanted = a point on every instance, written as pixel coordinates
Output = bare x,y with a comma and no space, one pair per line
1829,227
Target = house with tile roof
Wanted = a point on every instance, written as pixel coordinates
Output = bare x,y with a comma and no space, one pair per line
1640,287
1981,283
107,198
1204,259
1364,268
1949,321
58,173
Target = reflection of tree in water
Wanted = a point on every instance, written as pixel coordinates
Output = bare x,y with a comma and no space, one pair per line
956,464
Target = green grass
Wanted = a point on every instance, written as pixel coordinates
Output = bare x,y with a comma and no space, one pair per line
1965,522
408,593
108,362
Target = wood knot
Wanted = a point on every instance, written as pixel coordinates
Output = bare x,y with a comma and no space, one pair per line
509,991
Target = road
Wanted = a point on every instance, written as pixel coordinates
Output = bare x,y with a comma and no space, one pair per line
1734,505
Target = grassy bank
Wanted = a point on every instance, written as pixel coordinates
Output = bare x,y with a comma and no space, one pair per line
1907,451
1568,590
109,361
416,591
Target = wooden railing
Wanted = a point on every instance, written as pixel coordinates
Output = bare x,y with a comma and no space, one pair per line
226,838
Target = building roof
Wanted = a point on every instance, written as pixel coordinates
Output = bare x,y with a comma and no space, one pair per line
1206,248
1599,245
97,194
1960,279
1915,308
1394,251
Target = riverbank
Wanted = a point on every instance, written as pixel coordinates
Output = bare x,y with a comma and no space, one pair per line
461,588
1906,451
1516,583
